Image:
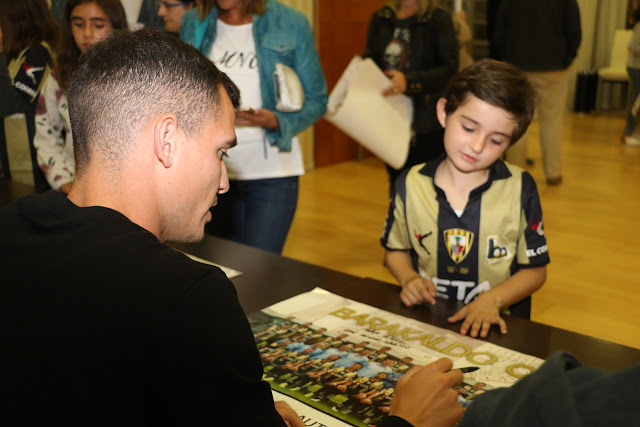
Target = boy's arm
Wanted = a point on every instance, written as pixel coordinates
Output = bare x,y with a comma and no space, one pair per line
415,288
484,311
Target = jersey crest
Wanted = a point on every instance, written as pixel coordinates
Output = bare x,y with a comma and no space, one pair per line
458,242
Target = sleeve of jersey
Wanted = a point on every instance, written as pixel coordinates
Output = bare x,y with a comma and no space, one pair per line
532,243
49,139
395,236
207,367
19,94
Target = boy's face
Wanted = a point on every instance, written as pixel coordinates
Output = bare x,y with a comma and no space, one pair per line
476,134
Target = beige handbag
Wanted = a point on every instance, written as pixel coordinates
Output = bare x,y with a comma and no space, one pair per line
288,89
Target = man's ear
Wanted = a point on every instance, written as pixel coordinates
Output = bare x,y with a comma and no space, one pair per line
166,136
442,115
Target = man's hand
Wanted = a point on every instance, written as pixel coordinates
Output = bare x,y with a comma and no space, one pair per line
479,315
424,396
291,419
398,83
262,118
418,290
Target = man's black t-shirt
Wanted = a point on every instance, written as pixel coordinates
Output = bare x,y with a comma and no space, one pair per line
101,324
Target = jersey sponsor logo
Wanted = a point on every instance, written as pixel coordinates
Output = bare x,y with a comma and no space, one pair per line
531,253
23,87
30,69
465,290
421,237
458,242
496,252
537,227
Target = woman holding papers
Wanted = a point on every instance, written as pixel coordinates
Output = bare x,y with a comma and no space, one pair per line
414,42
248,40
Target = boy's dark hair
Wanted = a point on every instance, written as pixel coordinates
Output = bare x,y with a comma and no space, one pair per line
497,83
127,79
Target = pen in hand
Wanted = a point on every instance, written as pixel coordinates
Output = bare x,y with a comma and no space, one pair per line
468,369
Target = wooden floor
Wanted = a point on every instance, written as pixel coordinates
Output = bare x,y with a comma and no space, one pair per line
592,224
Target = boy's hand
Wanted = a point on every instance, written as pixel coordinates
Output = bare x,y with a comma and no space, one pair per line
418,290
479,315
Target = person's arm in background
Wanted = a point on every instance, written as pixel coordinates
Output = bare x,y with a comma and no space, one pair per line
573,30
49,140
372,32
634,44
434,79
307,66
19,95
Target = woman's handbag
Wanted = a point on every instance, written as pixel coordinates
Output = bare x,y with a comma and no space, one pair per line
288,89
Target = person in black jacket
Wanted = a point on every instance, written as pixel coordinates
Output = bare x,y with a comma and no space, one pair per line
542,38
414,42
561,392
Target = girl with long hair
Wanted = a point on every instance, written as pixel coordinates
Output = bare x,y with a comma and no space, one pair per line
85,23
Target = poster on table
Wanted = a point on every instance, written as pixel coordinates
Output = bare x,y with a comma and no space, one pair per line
337,361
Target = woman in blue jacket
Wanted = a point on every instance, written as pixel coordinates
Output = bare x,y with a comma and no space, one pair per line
246,39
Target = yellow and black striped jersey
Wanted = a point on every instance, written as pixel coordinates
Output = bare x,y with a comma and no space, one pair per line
499,231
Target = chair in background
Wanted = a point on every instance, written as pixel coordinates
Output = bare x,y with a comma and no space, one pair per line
613,80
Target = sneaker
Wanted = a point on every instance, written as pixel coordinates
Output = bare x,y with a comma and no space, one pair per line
632,140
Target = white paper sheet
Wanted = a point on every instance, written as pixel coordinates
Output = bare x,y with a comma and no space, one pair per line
381,124
230,272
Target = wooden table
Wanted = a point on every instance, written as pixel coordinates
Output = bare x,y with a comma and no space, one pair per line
268,278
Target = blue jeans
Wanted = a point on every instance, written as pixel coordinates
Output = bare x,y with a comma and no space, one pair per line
256,213
634,90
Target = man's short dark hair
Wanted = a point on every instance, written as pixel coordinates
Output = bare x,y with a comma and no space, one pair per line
126,80
497,83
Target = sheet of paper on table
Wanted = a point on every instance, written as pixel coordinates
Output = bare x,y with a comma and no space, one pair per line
230,272
382,124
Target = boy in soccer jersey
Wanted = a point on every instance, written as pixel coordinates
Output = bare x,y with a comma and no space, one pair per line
468,226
